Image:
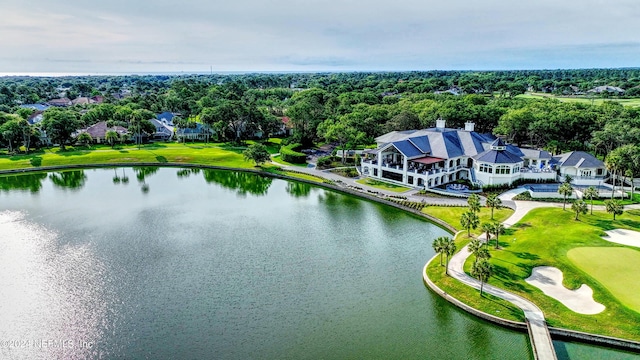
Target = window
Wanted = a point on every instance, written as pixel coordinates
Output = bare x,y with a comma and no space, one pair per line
503,169
486,168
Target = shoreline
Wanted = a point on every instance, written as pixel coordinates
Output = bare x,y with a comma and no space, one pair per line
595,339
558,333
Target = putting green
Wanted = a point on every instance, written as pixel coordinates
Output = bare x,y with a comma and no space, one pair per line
616,268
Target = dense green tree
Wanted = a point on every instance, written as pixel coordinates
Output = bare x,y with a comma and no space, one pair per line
84,138
257,153
341,132
614,207
59,125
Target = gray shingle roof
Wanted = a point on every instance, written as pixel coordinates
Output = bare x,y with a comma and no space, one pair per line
580,159
498,157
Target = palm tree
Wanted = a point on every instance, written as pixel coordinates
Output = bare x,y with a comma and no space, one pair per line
469,220
474,203
111,136
498,228
474,247
565,190
591,193
449,249
579,207
613,163
487,228
615,207
483,271
494,202
439,245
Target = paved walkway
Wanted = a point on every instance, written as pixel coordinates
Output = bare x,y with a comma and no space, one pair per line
536,323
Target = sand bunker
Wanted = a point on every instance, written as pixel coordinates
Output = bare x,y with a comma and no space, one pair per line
624,237
549,280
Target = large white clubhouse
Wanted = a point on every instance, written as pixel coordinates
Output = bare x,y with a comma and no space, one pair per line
432,157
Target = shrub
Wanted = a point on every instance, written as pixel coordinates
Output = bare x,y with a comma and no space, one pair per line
288,153
324,161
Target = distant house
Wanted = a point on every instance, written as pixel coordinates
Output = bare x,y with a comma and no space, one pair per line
38,107
166,117
607,88
163,132
584,168
98,131
80,101
286,127
198,132
35,118
98,99
62,102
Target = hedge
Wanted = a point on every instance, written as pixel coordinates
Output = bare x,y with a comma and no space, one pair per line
288,154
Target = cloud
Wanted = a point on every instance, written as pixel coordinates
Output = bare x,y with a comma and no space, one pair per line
252,35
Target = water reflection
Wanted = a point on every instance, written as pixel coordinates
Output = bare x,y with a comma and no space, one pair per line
73,180
31,182
298,189
184,173
141,175
55,297
118,179
243,183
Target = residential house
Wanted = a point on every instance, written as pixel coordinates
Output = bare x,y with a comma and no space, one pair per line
35,118
432,157
167,117
37,107
607,88
99,130
198,132
163,132
62,102
584,168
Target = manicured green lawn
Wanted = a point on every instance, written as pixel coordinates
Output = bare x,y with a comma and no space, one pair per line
451,215
198,153
616,268
583,100
383,185
543,238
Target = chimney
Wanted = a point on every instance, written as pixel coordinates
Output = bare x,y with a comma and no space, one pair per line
440,124
469,126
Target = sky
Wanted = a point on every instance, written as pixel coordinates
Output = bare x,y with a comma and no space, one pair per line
199,36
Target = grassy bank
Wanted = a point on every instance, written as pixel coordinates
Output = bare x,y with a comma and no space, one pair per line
204,154
487,303
382,185
451,215
544,237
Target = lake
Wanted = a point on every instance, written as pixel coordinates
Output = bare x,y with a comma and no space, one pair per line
175,263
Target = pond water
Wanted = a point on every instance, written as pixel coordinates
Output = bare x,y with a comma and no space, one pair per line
172,263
